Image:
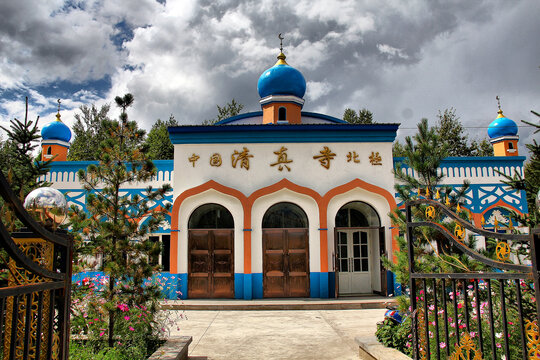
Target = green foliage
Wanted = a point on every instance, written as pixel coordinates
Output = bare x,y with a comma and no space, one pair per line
111,225
88,132
138,330
452,135
364,116
434,254
91,129
394,335
158,142
424,154
530,183
17,160
230,109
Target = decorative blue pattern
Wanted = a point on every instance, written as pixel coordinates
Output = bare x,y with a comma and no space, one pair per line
480,197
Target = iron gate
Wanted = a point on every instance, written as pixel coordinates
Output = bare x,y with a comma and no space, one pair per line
35,287
491,312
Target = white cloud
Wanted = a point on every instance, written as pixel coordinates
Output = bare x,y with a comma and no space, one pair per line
316,90
391,51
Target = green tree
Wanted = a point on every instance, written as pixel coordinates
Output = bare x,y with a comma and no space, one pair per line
452,133
230,109
530,183
424,153
481,148
364,116
158,142
17,162
88,132
110,226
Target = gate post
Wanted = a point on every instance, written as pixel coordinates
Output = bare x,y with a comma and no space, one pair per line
412,282
535,256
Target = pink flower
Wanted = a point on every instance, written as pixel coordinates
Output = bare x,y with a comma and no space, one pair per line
442,345
122,307
102,333
459,306
131,328
126,318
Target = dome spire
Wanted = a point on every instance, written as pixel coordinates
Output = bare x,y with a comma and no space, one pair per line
500,112
58,113
281,57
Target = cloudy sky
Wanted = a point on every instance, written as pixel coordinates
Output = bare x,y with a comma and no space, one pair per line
403,60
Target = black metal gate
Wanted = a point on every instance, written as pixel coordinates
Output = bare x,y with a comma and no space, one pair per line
488,310
34,289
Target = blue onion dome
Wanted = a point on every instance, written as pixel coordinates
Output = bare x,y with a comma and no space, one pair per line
502,126
281,79
56,130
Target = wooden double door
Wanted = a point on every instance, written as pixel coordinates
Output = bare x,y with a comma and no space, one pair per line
285,263
211,263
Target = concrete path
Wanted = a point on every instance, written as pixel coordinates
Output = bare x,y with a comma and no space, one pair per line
291,334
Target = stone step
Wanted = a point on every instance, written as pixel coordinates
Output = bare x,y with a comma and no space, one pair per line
364,302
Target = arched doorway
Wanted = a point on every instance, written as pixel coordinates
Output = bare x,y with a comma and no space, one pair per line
211,252
285,251
358,236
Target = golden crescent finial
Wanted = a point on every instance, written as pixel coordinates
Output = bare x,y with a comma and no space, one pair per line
58,104
500,112
280,42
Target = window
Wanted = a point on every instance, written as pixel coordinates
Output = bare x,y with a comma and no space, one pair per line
211,216
49,150
510,145
357,214
164,257
282,114
285,215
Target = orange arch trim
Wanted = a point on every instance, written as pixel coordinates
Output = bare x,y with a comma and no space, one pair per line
247,203
357,183
194,191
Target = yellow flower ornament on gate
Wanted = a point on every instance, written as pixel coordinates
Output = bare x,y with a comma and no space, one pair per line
430,212
459,232
503,251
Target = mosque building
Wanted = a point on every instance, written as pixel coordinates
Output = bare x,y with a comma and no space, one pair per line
287,203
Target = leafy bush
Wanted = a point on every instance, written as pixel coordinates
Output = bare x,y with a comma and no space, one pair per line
394,335
139,329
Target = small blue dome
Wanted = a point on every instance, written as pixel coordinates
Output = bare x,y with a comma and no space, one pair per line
281,79
56,130
502,126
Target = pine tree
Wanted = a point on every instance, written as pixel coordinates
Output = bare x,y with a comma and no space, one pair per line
88,132
530,183
18,163
110,226
424,153
364,116
230,109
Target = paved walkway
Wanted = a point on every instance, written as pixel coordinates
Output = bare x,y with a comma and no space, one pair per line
276,334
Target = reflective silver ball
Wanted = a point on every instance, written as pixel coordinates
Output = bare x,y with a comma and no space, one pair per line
47,205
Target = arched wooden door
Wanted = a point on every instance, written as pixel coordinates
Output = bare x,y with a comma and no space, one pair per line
285,252
211,253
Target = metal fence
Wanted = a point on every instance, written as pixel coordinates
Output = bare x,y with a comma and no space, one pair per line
35,283
489,308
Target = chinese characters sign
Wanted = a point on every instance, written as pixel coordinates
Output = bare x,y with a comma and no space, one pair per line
241,158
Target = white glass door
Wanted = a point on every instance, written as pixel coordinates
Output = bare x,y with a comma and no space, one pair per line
353,262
